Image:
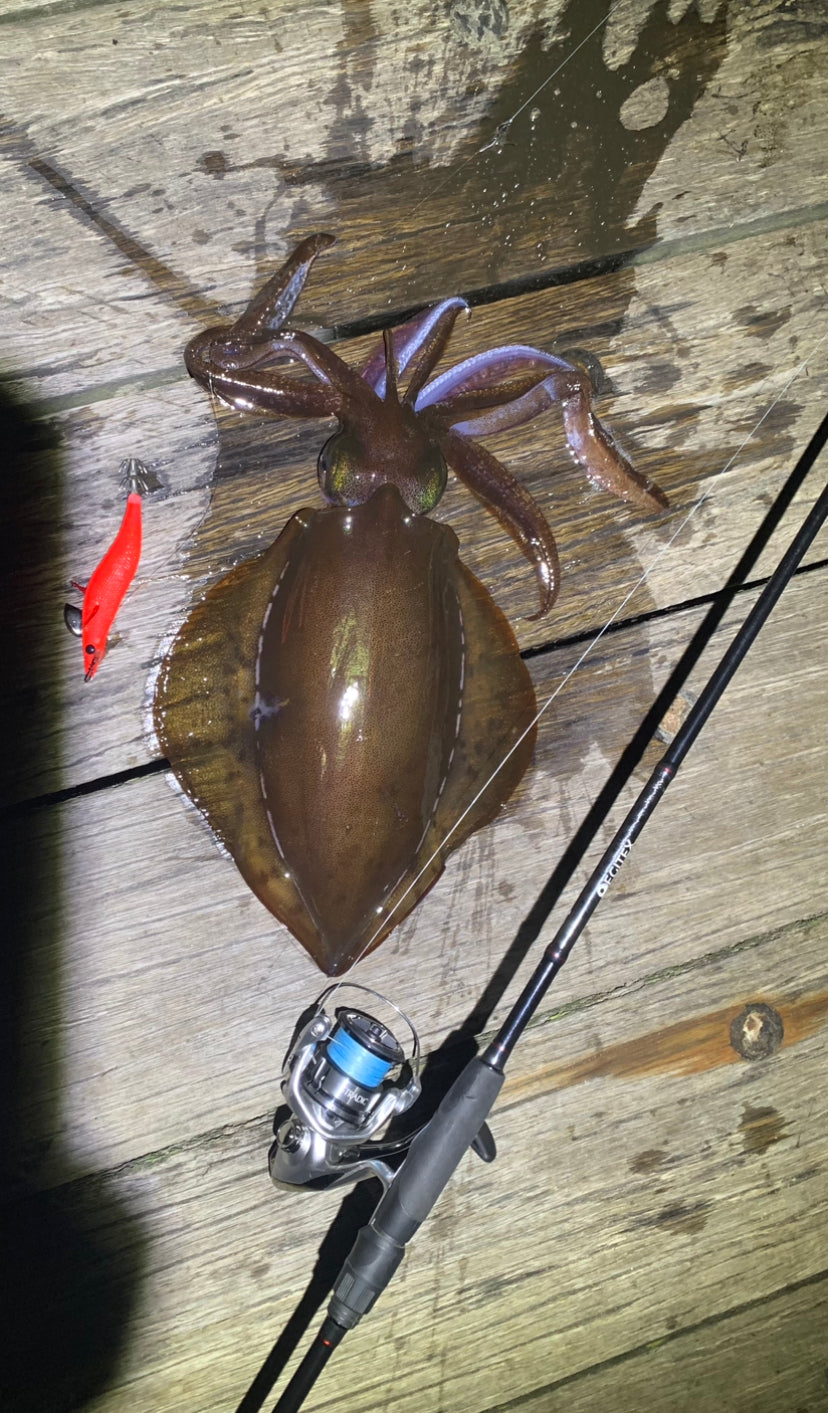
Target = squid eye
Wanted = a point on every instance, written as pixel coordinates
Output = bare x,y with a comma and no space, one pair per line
340,470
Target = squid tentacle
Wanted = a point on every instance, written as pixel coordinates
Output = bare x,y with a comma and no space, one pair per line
427,331
480,411
326,365
464,390
267,393
596,450
508,499
240,376
274,303
431,347
232,362
383,437
488,371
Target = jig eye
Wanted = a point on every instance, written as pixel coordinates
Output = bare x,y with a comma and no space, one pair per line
89,650
73,619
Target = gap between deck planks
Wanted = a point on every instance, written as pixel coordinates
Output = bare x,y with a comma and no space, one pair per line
758,1360
178,991
102,728
160,1025
195,1324
621,1210
204,134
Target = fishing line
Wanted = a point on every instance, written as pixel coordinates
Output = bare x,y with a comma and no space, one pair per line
590,647
503,128
497,142
438,1148
435,1151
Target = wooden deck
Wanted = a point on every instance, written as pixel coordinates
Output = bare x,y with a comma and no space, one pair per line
643,181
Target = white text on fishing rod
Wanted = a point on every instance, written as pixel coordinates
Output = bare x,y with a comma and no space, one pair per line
614,868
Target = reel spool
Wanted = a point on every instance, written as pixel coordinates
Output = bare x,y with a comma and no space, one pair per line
343,1080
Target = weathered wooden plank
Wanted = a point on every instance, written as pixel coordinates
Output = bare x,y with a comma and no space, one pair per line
685,396
207,140
178,991
766,1359
153,167
631,1202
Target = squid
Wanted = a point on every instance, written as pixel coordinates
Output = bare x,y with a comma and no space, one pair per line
348,706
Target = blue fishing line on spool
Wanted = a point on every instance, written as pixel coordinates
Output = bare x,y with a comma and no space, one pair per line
350,1056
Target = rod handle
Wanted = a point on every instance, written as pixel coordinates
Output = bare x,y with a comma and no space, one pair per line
434,1155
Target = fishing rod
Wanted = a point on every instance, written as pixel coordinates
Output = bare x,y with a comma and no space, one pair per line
346,1077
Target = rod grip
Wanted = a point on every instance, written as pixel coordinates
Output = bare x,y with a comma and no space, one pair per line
432,1159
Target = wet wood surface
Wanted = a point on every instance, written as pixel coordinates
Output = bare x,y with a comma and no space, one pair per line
653,1228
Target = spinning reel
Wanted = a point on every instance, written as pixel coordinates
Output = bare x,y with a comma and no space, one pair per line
343,1080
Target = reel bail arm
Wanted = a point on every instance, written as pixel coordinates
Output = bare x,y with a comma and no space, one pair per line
344,1079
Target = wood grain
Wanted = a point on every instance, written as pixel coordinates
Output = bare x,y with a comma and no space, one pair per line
726,859
646,1212
653,1230
738,448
